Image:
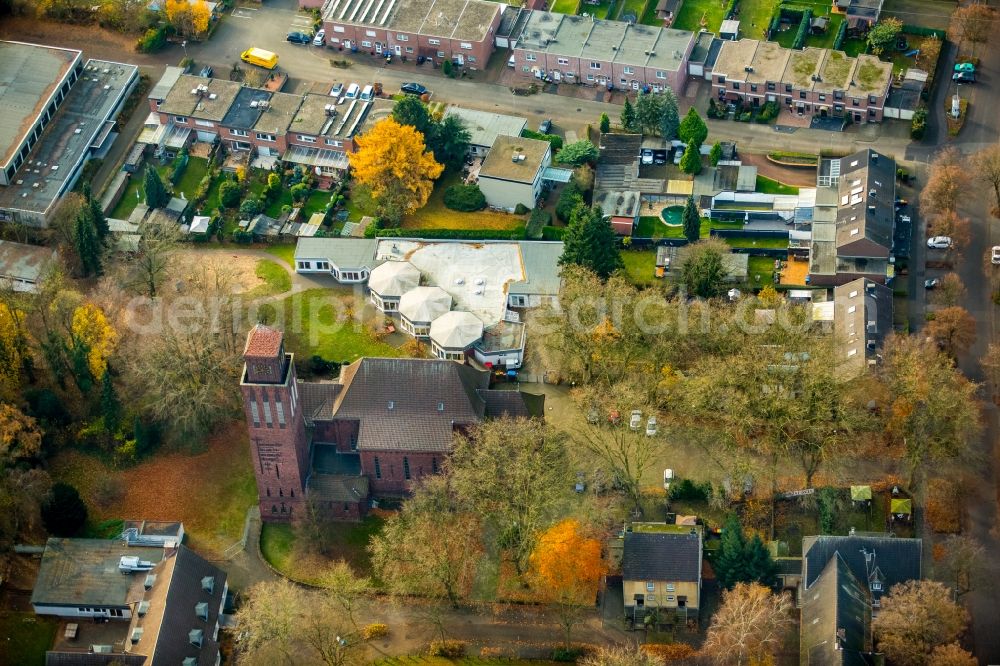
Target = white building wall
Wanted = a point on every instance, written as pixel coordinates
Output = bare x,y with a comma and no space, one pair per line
506,194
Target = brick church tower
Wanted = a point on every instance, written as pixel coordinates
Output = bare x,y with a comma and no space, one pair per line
278,442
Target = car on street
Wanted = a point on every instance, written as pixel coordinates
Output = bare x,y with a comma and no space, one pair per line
206,72
635,419
337,90
647,156
668,477
320,37
905,219
939,242
545,126
964,77
995,254
298,38
964,67
413,89
651,426
932,283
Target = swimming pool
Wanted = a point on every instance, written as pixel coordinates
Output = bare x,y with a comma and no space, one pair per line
673,215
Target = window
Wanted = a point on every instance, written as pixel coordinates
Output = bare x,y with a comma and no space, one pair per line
440,54
856,102
650,586
306,139
254,413
267,412
736,85
406,468
378,469
822,97
281,492
590,77
409,49
335,144
670,587
402,38
771,87
562,61
338,28
265,137
434,42
802,94
434,465
180,119
871,113
661,75
204,123
470,58
623,81
280,409
369,33
305,264
238,132
788,87
595,65
722,79
465,45
753,87
872,99
531,57
627,70
367,44
838,94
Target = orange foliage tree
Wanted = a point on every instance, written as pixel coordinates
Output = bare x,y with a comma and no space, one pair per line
395,168
945,179
566,566
954,329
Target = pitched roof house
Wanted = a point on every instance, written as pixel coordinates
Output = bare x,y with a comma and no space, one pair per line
661,569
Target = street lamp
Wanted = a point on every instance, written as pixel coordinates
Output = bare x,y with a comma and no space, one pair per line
184,45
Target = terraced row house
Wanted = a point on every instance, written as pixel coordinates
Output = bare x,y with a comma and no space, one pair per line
812,81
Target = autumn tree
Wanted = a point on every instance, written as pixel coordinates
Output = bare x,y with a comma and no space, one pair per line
951,655
946,178
692,221
94,336
14,350
954,330
949,292
915,618
146,269
591,242
972,23
986,166
345,588
883,34
702,268
991,364
566,566
932,407
395,168
201,17
930,49
620,655
962,562
749,627
951,224
22,492
20,436
512,474
431,547
187,18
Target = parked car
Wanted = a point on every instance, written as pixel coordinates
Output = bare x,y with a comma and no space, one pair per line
651,426
995,254
659,157
367,94
939,242
647,156
337,90
320,37
352,91
905,219
206,72
668,477
298,38
932,283
413,89
635,420
545,127
964,67
964,77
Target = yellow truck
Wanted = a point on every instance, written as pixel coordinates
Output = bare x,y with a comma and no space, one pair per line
260,57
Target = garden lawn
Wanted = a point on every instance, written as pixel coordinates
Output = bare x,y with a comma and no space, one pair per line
692,11
762,266
208,490
188,185
636,7
283,251
653,227
854,46
639,266
26,638
315,203
345,541
276,279
565,6
826,40
753,241
435,215
649,16
312,326
767,185
755,16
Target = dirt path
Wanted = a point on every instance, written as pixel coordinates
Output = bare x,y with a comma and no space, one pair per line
782,174
94,40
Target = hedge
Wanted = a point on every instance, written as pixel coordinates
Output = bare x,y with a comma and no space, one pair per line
516,233
730,8
153,40
466,198
540,218
800,36
921,31
556,141
553,233
841,34
177,171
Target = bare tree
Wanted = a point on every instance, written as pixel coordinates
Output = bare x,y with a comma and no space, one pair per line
620,655
963,562
345,588
986,165
954,329
21,495
749,626
951,224
152,263
949,292
946,178
915,618
972,23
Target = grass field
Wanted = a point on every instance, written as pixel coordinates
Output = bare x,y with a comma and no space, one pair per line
315,203
693,12
754,17
763,267
276,279
653,227
284,251
346,541
209,491
196,169
565,6
767,185
26,638
753,241
639,265
317,321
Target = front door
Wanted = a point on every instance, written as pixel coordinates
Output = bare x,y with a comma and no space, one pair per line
459,59
635,84
378,47
398,49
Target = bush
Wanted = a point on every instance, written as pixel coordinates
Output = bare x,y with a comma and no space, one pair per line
555,141
242,237
667,652
826,500
520,209
540,218
179,165
918,125
569,199
553,233
250,207
838,42
943,506
800,36
153,40
688,490
229,194
63,512
449,648
465,198
374,630
745,117
299,192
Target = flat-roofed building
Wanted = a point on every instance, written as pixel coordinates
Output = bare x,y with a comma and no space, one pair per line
812,81
55,113
484,127
512,173
23,266
581,49
458,30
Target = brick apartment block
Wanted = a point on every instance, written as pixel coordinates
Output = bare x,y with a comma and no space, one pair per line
811,81
458,30
581,49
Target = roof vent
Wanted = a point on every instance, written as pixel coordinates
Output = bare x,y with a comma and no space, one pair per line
254,103
136,634
440,406
748,69
195,637
150,581
872,192
143,608
208,584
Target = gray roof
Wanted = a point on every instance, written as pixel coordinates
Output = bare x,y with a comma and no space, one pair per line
245,109
836,619
484,127
541,266
84,572
866,205
861,331
166,82
53,658
212,103
661,556
24,262
338,488
906,96
896,560
499,163
342,252
466,20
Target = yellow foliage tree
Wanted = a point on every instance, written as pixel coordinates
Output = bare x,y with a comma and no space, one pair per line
180,15
395,167
11,349
201,16
566,567
93,330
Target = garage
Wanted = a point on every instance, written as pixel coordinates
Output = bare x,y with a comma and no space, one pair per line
207,137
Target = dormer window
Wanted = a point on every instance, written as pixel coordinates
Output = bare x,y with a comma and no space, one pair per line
876,586
208,584
196,637
392,405
150,581
440,406
143,608
201,610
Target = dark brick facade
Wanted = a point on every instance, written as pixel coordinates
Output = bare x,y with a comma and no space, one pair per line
389,476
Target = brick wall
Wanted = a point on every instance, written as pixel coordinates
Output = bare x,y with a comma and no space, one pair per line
389,477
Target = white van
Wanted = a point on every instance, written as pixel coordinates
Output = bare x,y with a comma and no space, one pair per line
352,91
367,94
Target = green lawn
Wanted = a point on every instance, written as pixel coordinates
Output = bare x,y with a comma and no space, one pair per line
317,322
347,541
753,241
277,541
565,6
599,10
762,266
692,11
316,203
766,185
755,17
826,40
854,46
639,266
285,251
276,279
435,215
196,169
649,16
653,227
636,7
26,638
